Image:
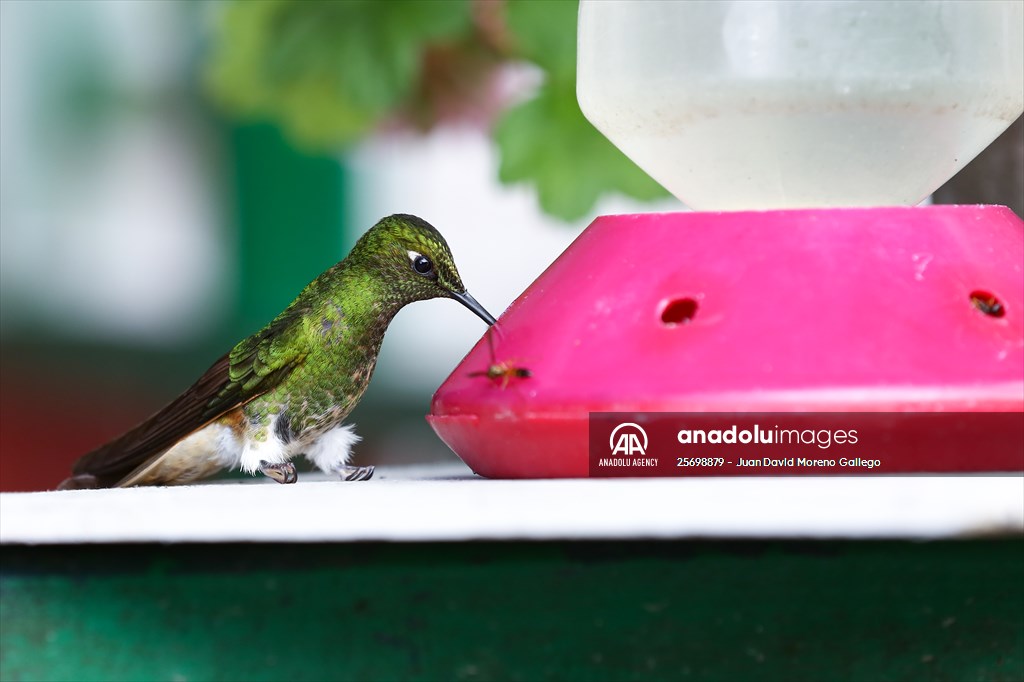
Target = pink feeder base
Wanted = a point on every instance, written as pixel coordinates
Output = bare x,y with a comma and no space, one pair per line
839,310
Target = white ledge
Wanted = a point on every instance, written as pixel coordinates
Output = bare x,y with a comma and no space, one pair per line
450,504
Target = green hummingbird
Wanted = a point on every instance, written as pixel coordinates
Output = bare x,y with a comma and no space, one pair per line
286,389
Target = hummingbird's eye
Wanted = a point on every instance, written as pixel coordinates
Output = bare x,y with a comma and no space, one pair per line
423,265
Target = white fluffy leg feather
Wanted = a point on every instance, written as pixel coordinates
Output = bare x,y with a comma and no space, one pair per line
331,451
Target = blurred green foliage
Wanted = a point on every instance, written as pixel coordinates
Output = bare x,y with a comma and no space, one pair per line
331,73
327,70
547,140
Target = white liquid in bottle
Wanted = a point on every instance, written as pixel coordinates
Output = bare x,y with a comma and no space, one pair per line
736,105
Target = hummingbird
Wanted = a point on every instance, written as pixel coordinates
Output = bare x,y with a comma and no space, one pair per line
286,390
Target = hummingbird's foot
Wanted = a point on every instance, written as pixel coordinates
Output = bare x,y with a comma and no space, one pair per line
356,473
282,473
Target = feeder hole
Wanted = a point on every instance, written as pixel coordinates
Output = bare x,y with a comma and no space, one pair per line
987,303
679,311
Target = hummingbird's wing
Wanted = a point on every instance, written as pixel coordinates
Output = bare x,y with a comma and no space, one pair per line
253,367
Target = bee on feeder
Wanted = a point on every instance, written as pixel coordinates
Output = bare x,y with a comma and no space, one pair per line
501,372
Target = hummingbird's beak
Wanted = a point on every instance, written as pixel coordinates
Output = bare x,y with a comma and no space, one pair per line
465,299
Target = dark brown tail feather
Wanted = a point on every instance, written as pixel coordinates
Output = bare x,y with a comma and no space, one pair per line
83,482
105,466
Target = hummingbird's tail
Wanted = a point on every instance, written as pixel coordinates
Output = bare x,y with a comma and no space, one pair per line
108,465
81,482
250,369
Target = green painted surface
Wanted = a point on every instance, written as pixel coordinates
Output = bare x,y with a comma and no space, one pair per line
516,611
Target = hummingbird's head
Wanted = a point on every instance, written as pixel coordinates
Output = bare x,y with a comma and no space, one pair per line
415,260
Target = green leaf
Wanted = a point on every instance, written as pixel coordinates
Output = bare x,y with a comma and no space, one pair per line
548,143
544,32
328,71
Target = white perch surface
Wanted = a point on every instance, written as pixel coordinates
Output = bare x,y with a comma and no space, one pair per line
448,503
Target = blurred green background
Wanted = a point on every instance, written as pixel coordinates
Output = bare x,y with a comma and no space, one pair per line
173,173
